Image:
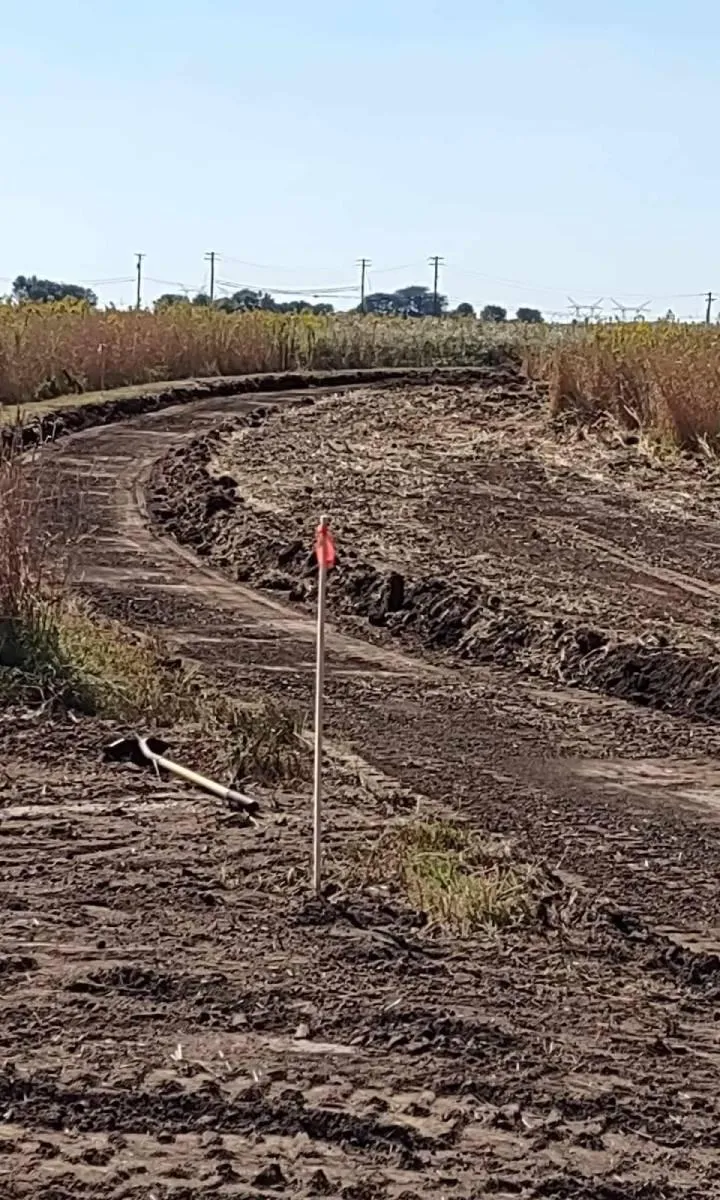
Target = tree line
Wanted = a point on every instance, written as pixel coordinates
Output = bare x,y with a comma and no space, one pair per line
419,301
413,301
244,300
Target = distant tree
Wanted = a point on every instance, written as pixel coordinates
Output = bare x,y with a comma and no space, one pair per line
202,300
28,289
463,310
494,312
670,317
413,301
169,300
418,301
381,304
246,300
303,306
293,306
531,316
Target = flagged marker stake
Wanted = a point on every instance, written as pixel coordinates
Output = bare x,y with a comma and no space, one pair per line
325,556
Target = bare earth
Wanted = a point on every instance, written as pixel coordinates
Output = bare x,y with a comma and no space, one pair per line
525,636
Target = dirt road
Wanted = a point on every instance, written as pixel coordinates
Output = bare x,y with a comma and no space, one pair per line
179,1020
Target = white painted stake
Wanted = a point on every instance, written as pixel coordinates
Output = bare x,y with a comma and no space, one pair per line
319,691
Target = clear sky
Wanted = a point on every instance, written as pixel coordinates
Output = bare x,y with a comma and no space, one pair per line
543,148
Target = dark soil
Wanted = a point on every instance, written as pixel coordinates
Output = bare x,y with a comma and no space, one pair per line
570,599
181,1019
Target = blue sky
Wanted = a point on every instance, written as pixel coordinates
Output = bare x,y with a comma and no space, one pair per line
544,149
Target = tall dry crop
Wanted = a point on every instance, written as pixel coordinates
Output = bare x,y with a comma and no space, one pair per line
51,349
661,378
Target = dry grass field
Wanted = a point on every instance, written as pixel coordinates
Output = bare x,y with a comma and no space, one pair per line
660,378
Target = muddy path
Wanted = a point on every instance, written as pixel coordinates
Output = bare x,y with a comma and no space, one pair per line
179,1020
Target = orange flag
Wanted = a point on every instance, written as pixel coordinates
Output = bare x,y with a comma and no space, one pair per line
324,546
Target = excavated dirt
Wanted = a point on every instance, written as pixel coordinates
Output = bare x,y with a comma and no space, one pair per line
465,525
179,1018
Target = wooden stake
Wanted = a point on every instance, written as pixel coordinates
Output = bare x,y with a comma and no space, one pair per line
319,693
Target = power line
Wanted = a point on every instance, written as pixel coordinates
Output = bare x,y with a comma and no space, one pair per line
274,266
623,307
535,287
401,267
108,282
339,290
184,287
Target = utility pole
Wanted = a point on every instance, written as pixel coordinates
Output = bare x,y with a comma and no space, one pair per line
363,263
210,257
138,300
708,310
435,261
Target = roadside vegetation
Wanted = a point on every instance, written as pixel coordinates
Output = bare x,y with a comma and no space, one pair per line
48,350
56,653
660,379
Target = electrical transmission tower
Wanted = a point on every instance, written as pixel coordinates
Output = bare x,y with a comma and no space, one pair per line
637,310
585,312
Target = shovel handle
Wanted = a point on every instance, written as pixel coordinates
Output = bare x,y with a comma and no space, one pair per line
207,785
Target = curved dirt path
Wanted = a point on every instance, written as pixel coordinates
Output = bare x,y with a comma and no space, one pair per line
449,727
531,1067
127,559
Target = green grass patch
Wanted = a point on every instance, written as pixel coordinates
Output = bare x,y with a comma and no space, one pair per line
57,652
267,742
460,880
61,654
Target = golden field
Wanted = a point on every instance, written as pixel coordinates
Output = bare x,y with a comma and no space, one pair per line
50,349
661,378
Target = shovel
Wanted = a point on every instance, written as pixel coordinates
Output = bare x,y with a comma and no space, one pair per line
140,750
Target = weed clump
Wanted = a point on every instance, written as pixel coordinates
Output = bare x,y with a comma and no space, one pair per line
56,652
459,879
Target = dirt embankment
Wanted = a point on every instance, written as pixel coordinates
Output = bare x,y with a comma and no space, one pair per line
48,425
466,526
